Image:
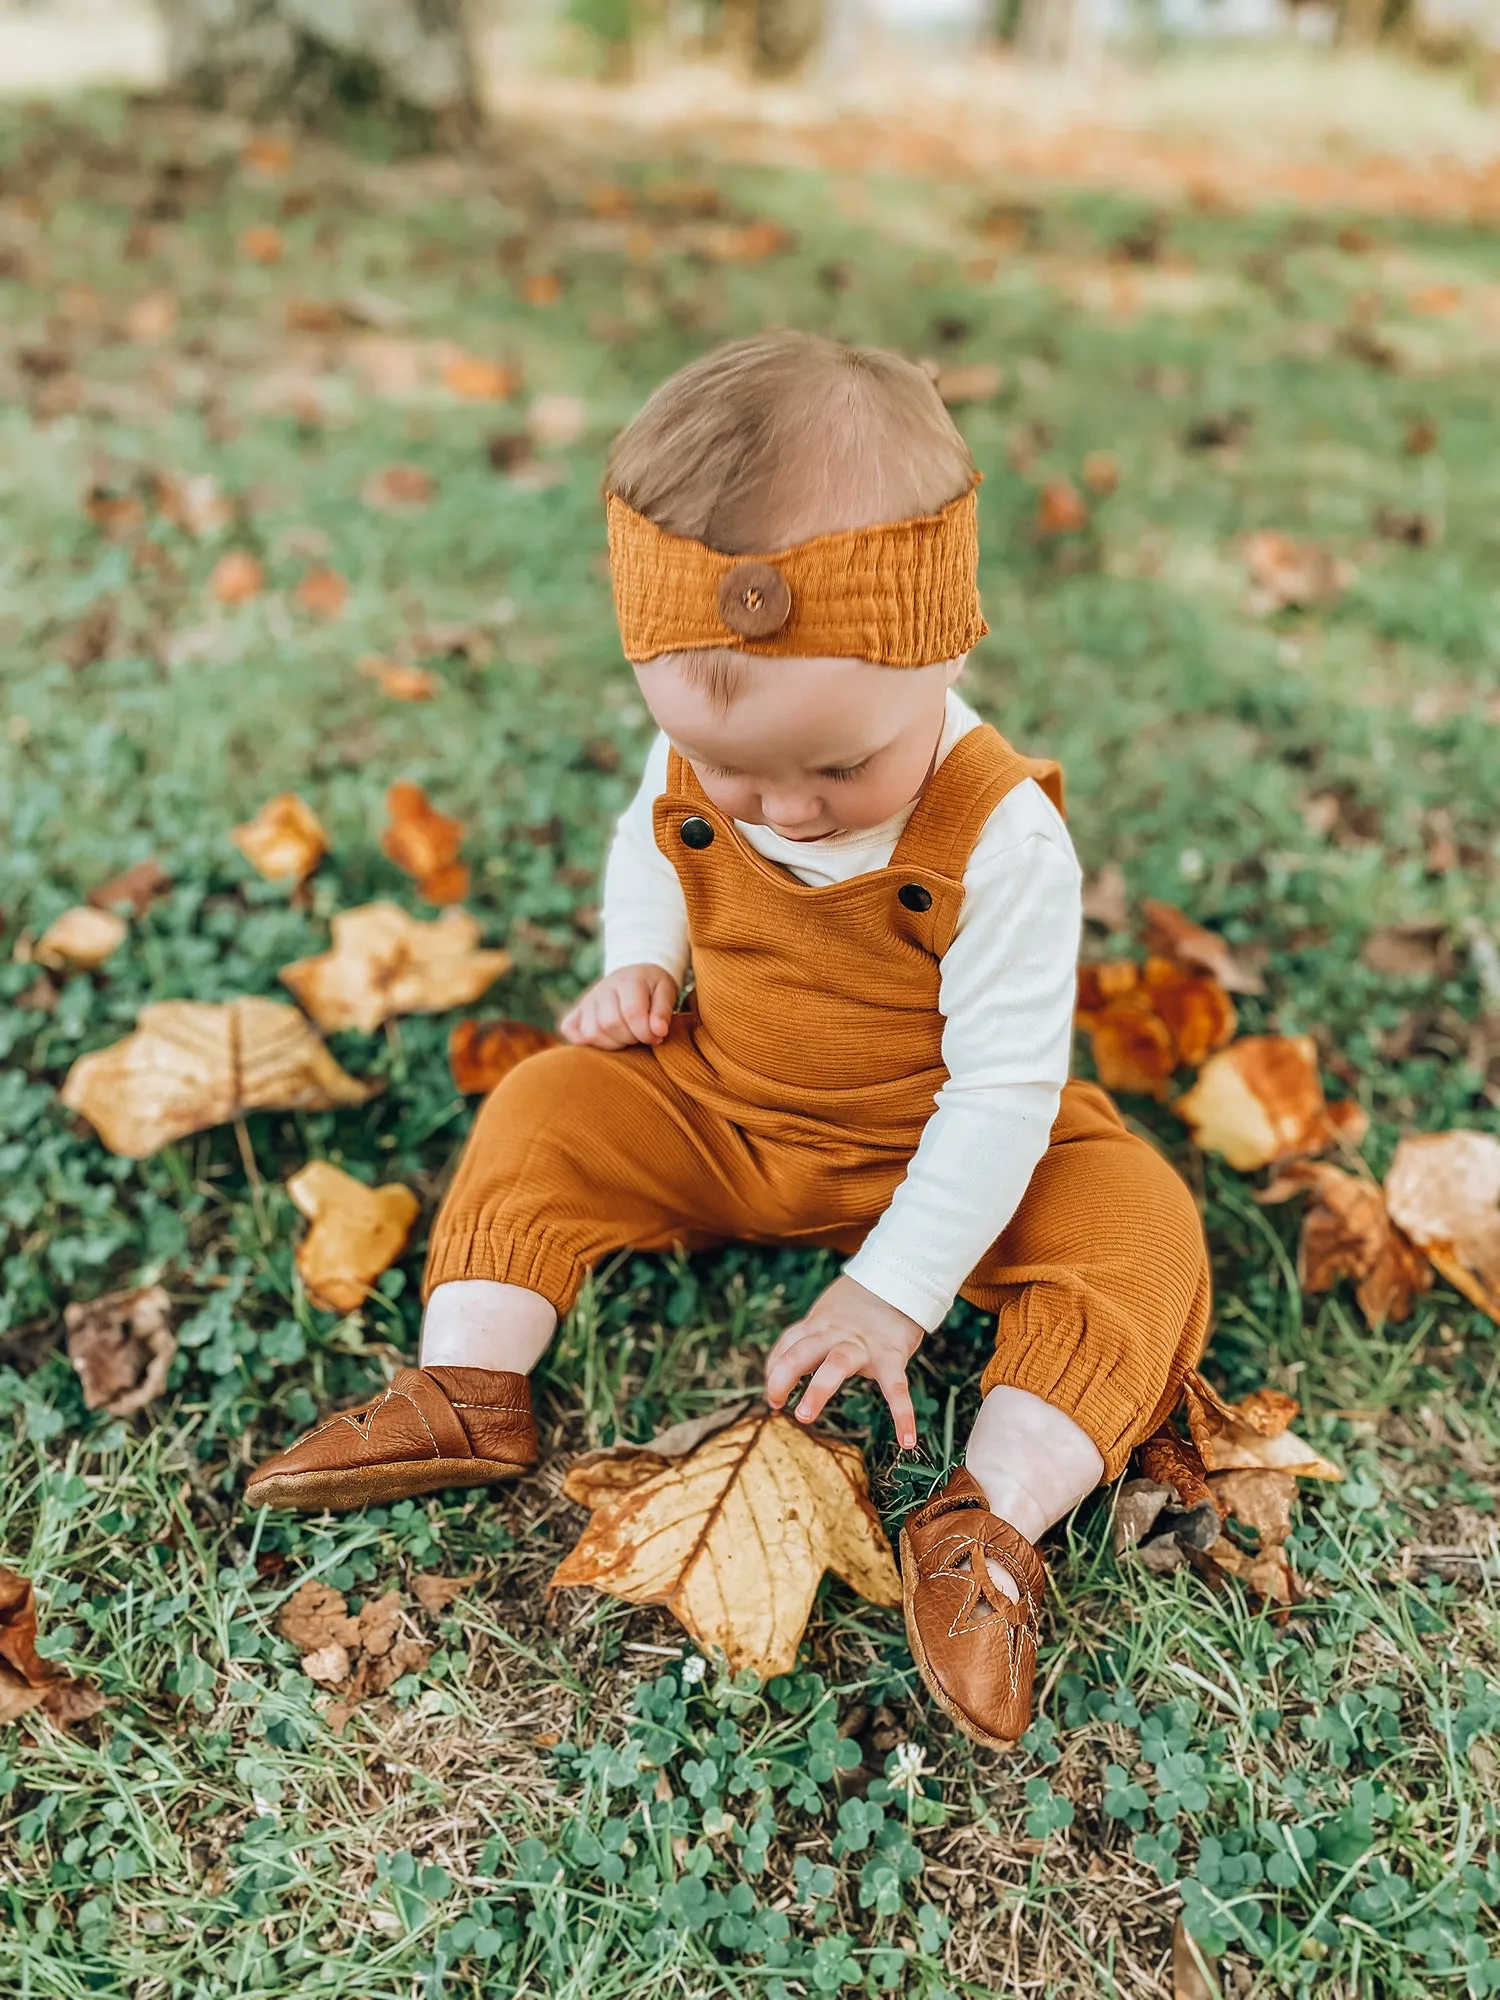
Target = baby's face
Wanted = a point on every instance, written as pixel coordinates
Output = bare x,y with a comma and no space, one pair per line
807,747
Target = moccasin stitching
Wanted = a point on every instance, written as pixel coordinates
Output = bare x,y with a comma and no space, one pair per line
425,1425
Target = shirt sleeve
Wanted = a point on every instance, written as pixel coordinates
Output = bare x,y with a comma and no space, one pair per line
645,917
1009,983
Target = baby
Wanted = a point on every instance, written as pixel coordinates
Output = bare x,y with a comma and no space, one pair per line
880,906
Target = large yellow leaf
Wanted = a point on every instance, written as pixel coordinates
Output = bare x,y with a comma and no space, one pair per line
1443,1189
357,1232
191,1064
384,962
734,1537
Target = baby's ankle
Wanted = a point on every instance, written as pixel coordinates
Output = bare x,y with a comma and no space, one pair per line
473,1323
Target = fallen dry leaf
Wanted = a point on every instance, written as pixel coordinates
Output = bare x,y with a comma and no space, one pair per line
734,1538
398,489
1100,472
121,1346
1292,575
1261,1100
424,843
480,1053
1193,1976
357,1657
1171,934
557,420
261,243
139,886
384,962
402,683
27,1680
435,1593
1060,509
150,317
235,578
541,288
969,382
1168,1515
1251,1435
266,155
285,841
79,939
322,593
1347,1233
1146,1022
479,381
195,503
1417,950
192,1064
1443,1189
357,1232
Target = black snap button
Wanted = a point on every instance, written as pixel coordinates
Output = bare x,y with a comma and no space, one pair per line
911,895
698,833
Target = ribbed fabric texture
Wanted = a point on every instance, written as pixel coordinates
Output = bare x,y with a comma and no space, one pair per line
785,1106
905,594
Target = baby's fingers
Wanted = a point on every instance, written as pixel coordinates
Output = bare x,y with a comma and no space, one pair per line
794,1354
830,1377
898,1399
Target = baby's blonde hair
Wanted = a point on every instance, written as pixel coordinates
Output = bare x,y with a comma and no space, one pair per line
769,441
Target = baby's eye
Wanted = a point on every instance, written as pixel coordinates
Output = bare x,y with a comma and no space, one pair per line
839,773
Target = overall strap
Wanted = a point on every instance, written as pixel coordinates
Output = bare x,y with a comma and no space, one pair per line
963,791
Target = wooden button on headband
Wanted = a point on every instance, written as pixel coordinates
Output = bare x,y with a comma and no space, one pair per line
903,594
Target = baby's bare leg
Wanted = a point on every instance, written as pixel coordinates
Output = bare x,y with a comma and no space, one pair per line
1032,1462
474,1323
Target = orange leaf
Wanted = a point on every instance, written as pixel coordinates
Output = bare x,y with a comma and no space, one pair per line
266,155
1099,984
236,577
1170,934
480,1053
384,962
322,593
27,1680
1252,1434
1347,1233
1101,472
1259,1101
1436,301
420,840
357,1232
1444,1191
402,683
541,288
1294,575
1133,1048
480,381
1060,508
261,244
1198,1011
285,840
80,938
398,489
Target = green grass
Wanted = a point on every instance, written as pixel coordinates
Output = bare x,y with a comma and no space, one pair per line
555,1805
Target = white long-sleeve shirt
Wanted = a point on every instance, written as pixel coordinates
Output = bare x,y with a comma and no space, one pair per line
1006,995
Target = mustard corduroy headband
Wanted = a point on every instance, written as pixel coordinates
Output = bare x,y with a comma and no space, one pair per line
903,594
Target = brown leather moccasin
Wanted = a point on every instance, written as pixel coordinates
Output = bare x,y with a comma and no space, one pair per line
974,1646
433,1427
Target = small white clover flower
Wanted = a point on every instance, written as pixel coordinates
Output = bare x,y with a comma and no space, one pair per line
693,1670
908,1762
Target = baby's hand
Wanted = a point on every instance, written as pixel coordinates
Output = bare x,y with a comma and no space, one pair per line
632,1005
848,1332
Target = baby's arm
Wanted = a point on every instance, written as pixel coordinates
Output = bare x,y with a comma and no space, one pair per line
645,931
1007,995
